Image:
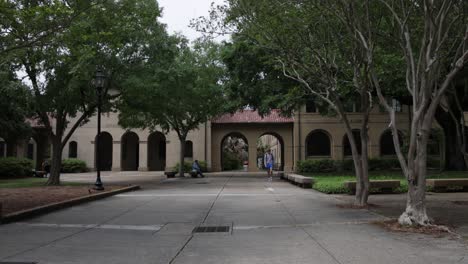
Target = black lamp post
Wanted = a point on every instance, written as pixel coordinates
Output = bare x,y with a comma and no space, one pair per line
99,80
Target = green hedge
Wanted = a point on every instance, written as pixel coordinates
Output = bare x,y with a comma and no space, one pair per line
15,167
188,166
323,165
327,165
73,166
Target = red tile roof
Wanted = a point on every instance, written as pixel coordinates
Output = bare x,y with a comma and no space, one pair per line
251,116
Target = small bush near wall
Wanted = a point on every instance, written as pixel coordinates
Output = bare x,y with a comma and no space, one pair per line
15,167
73,166
188,166
324,165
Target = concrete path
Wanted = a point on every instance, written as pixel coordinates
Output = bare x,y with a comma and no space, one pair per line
271,222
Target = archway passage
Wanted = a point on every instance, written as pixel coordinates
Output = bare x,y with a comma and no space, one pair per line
318,144
273,143
105,151
156,151
234,152
130,151
347,146
387,148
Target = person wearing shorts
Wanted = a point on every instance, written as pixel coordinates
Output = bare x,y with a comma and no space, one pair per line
269,160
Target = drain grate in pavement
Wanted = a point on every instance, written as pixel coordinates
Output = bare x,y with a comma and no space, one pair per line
210,229
201,183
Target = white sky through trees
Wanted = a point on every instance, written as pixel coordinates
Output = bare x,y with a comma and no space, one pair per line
177,14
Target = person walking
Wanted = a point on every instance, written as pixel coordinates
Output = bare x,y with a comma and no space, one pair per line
269,160
196,168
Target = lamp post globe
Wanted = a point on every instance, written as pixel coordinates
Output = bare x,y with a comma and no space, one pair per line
99,82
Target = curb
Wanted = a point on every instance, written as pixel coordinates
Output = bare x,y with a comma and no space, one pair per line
39,210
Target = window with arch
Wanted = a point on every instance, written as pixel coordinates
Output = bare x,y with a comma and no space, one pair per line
2,148
347,146
73,149
387,148
188,149
30,149
318,143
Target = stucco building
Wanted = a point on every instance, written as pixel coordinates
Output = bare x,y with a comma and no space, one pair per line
305,135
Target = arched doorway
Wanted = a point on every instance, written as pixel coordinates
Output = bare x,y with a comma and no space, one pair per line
130,151
3,148
387,148
31,149
156,151
347,146
274,143
105,151
318,144
234,152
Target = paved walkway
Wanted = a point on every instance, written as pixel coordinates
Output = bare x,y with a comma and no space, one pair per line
271,223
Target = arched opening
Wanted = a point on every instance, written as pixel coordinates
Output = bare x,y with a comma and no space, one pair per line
73,150
434,143
31,150
3,148
130,151
105,151
347,146
274,143
234,152
156,151
188,149
387,148
318,144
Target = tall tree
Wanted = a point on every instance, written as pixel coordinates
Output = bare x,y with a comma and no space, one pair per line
307,43
179,96
111,34
433,37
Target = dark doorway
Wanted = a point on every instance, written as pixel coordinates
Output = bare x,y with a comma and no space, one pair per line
318,144
156,152
130,151
105,151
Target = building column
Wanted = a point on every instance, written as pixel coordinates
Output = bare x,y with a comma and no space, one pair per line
116,156
143,156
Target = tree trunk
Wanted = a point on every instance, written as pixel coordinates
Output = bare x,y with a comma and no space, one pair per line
182,156
415,212
364,162
56,161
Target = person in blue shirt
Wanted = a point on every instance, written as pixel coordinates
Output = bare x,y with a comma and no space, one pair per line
269,161
196,168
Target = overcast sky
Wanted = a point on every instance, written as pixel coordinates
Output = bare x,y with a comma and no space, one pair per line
178,13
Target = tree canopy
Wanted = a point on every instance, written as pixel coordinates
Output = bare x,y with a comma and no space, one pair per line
180,96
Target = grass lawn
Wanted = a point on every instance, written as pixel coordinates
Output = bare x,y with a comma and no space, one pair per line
333,182
30,182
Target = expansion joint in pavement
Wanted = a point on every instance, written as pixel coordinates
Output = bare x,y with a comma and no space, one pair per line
293,219
203,221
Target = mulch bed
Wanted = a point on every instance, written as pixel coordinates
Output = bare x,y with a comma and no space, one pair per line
436,230
18,199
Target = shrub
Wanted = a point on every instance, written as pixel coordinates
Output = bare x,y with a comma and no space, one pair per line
231,161
73,166
188,166
324,165
15,167
383,164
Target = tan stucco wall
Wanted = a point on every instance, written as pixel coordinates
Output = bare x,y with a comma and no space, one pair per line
252,132
85,137
378,123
